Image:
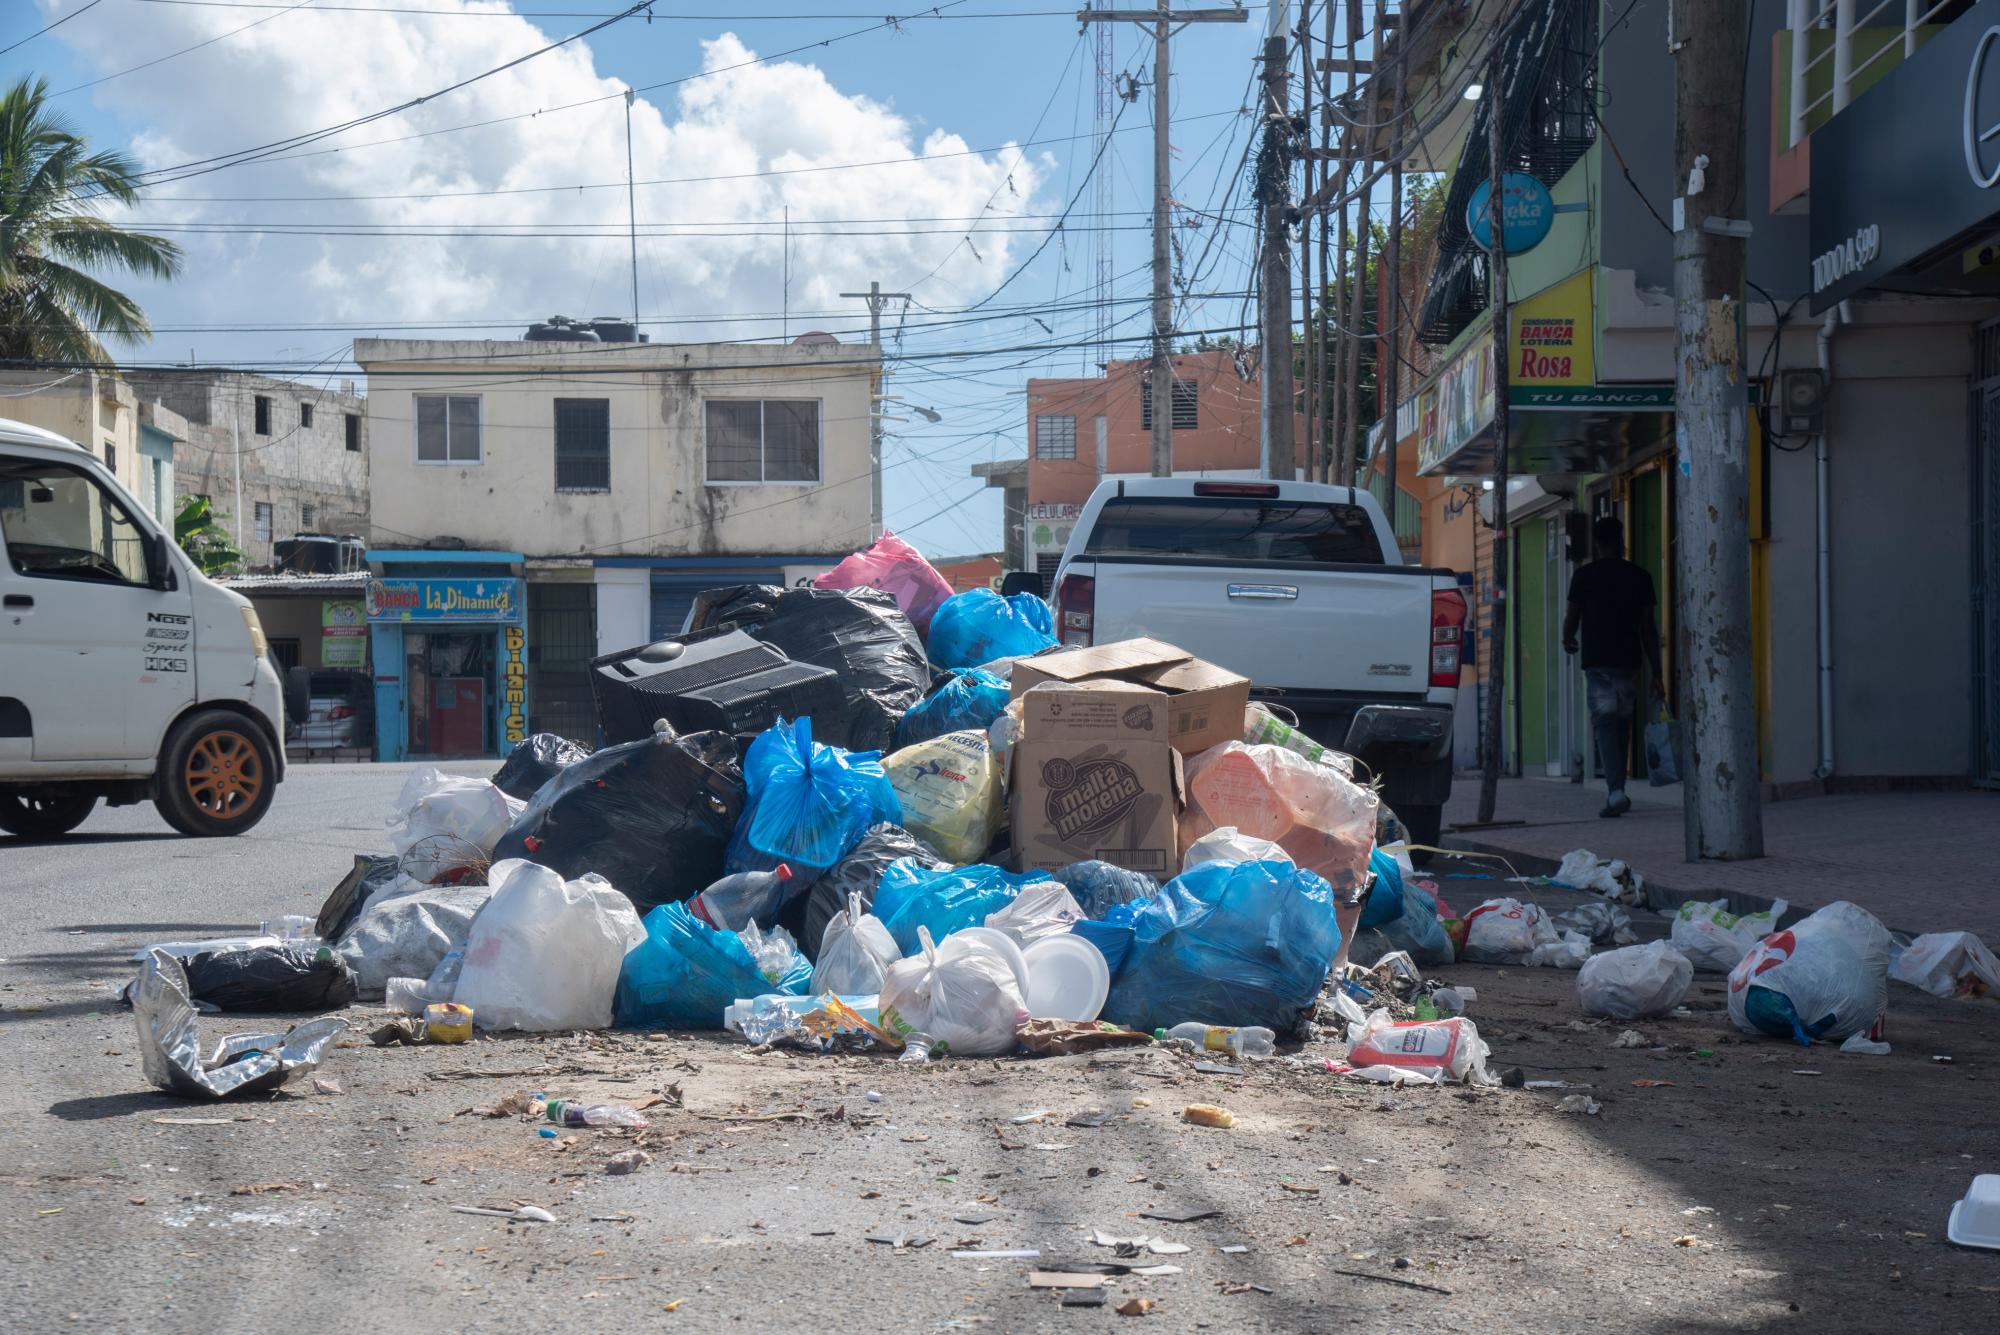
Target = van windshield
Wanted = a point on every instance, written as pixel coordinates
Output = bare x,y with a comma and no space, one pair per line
1232,528
58,523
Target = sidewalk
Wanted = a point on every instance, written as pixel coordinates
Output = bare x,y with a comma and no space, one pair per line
1921,862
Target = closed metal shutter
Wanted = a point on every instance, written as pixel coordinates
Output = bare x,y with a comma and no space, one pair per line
674,593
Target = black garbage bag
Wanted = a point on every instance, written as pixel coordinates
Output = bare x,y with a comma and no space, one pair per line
858,873
271,978
862,635
534,761
652,817
368,875
738,606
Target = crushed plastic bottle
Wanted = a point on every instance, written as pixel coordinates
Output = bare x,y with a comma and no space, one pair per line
1263,728
737,901
1247,1041
569,1112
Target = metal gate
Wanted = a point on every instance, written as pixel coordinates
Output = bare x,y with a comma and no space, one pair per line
1985,414
562,639
674,592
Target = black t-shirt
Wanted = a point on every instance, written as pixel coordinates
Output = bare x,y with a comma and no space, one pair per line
1616,600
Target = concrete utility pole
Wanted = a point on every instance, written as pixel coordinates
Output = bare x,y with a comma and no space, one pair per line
1160,392
876,299
1389,323
631,205
1309,388
1718,709
1496,656
1347,449
1274,174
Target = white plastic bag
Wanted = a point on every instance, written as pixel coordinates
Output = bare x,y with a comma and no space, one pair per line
854,954
1046,908
406,930
1506,931
1947,964
1635,983
1584,870
1428,1050
545,953
962,994
954,793
1714,938
1824,977
1570,950
447,821
1230,844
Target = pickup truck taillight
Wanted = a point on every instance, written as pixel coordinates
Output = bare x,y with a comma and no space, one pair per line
1076,610
1447,635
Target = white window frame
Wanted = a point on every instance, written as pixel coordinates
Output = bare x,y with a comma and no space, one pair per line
820,461
416,452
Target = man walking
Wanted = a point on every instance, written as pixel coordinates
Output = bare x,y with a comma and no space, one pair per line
1611,601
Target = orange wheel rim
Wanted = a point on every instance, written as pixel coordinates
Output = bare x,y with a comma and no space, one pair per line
224,775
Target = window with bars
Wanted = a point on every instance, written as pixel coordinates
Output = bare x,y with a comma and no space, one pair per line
261,520
1055,437
448,429
762,440
305,415
307,513
583,444
1186,406
353,427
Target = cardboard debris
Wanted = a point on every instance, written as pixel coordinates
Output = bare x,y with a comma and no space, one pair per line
1095,779
1205,703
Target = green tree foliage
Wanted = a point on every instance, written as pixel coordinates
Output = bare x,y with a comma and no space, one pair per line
204,539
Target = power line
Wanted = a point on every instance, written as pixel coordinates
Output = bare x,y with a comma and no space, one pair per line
51,27
171,55
573,14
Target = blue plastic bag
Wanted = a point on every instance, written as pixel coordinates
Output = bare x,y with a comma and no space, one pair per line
809,803
1101,886
911,895
1228,943
686,973
1418,930
967,702
978,626
1112,934
1385,896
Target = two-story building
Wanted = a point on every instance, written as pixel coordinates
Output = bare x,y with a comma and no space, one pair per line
534,504
99,410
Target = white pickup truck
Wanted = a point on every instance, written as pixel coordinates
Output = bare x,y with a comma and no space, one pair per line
1300,588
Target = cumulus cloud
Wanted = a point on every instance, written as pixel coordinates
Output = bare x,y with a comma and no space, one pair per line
748,128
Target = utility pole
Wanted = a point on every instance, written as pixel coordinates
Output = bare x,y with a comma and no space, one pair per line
1496,656
1718,710
1160,393
1347,449
1274,174
1389,360
631,205
876,299
1308,391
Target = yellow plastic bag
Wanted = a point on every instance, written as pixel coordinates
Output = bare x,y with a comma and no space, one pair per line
954,793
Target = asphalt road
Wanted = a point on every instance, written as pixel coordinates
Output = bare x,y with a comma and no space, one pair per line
1736,1190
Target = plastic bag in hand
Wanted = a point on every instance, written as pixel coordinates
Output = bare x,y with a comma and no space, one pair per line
1230,942
963,994
1948,964
685,974
1045,908
809,803
446,823
979,625
910,897
545,953
1230,844
1322,819
971,699
855,953
953,792
1714,938
897,569
1824,977
1634,983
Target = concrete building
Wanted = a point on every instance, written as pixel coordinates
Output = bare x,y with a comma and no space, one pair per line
136,440
535,504
275,458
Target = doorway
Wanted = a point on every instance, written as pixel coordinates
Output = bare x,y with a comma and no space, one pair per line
448,678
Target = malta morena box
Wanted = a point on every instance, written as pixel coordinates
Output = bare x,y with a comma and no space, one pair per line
1096,778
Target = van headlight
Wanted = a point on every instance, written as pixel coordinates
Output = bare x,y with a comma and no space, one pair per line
258,644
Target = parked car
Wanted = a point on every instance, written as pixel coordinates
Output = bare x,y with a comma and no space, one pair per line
335,715
1300,588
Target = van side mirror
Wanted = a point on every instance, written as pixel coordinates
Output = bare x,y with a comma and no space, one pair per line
159,566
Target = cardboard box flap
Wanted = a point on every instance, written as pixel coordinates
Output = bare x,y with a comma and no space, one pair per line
1094,709
1126,657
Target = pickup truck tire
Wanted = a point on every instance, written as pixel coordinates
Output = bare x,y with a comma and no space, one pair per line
217,775
1424,825
44,813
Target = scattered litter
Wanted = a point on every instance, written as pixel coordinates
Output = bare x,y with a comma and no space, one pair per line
1154,1271
1714,938
1236,1249
1216,1068
1686,1240
1652,1084
1635,983
1947,964
1063,1279
1300,1189
326,1086
1629,1038
1584,870
1084,1298
1865,1046
903,1241
1579,1103
1208,1114
1424,1050
1136,1306
1392,1279
1018,1254
629,1161
1180,1216
169,1046
533,1214
1975,1218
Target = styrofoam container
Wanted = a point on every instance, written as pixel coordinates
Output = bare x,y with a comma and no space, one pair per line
1009,948
1067,979
1975,1221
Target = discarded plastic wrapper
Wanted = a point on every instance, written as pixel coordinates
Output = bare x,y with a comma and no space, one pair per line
1634,983
169,1046
953,790
1230,844
1437,1049
1042,909
1824,977
1582,869
823,1023
1049,1038
1263,728
1947,964
1322,819
1604,924
1714,938
962,994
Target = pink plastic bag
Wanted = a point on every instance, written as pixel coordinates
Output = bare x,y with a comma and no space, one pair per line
1320,817
897,569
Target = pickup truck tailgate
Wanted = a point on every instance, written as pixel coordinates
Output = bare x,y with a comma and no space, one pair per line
1324,628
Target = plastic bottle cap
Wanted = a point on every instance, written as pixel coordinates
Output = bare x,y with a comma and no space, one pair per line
783,872
1160,1035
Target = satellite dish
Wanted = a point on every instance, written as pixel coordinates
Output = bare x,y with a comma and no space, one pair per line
815,338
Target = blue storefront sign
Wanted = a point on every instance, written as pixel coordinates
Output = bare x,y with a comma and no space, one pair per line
1527,212
444,600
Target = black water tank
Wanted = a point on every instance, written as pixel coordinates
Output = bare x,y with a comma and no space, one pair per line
611,329
560,329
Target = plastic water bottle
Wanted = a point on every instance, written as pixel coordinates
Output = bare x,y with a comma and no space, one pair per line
569,1112
734,902
1249,1041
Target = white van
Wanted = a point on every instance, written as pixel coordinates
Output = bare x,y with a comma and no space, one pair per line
125,674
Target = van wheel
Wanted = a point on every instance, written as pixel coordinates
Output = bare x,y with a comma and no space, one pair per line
217,775
44,813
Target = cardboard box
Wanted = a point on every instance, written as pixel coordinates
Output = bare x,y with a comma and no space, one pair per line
1096,778
1206,702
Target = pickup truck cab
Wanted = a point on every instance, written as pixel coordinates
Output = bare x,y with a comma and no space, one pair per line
1297,586
125,673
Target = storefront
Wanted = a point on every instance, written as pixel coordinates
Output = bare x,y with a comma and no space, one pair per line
449,640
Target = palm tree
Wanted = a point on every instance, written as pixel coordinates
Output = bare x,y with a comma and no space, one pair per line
51,183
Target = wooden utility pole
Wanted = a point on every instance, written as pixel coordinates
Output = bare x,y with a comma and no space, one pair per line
1496,654
1274,175
1721,805
1160,392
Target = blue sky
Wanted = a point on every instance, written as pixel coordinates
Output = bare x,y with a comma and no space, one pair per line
995,73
